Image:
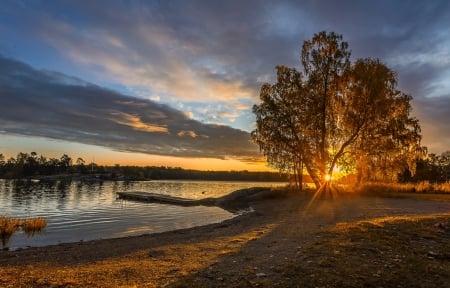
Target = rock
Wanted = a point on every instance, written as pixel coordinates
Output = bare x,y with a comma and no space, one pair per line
432,254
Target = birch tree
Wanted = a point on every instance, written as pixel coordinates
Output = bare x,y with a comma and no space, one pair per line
336,113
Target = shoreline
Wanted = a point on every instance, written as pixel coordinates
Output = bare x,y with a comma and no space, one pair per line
87,211
237,202
237,214
258,247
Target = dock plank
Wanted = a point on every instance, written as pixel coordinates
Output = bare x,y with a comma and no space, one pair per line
232,202
161,198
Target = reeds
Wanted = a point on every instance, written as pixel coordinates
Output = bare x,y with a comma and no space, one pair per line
10,225
420,187
34,225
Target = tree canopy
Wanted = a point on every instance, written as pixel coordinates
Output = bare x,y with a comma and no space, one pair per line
336,114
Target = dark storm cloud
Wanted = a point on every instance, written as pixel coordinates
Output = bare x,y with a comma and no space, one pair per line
248,38
204,42
437,125
53,105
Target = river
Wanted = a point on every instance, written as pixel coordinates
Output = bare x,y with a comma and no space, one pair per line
81,211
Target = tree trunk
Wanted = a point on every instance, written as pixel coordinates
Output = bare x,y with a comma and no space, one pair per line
314,175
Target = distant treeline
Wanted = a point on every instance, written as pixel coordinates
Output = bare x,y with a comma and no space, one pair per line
32,165
434,168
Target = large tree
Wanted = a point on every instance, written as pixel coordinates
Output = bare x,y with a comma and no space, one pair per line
336,114
279,126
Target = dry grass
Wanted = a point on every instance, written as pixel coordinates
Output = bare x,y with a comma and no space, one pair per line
10,225
33,225
384,252
152,267
421,187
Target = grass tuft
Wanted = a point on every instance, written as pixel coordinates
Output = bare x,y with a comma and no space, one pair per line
33,226
10,225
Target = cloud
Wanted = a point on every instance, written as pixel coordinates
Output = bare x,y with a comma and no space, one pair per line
437,125
211,57
47,104
136,123
188,134
149,54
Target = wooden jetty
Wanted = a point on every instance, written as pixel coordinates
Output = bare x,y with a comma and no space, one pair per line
232,202
161,198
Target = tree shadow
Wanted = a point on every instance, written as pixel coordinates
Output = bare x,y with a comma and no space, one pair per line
266,260
262,260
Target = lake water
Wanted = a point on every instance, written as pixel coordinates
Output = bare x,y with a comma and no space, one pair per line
80,211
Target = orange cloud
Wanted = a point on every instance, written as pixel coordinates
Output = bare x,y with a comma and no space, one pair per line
187,133
136,123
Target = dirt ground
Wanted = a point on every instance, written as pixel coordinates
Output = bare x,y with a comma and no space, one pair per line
348,241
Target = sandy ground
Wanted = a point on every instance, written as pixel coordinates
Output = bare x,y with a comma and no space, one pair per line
234,253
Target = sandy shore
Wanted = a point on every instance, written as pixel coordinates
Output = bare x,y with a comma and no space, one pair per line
235,253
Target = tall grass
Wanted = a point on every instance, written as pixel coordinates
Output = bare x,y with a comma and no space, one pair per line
34,225
420,187
10,225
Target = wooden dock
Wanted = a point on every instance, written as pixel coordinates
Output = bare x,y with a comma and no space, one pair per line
161,198
232,202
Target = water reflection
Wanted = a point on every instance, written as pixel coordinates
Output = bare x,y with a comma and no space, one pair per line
78,210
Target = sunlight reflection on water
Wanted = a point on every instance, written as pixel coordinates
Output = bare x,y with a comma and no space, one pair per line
80,211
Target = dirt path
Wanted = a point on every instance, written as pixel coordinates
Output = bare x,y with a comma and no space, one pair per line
250,249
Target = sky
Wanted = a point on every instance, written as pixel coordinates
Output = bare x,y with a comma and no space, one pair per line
172,83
